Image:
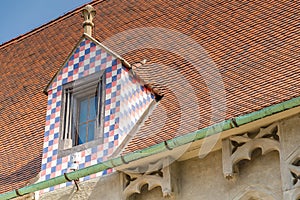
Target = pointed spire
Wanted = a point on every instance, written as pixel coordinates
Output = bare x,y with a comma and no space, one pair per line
88,13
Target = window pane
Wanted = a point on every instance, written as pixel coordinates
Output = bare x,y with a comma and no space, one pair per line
93,108
82,134
91,131
83,110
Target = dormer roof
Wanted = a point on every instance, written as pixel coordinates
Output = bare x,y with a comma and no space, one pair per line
76,47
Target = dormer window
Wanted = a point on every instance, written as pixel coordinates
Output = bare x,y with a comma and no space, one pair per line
82,112
95,104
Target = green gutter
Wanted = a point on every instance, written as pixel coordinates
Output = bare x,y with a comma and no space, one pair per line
155,149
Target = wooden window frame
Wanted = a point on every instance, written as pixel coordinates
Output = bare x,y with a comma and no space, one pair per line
72,92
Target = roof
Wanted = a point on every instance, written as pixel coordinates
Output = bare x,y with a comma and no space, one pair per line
252,46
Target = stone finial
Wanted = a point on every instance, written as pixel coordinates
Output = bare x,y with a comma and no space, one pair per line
88,13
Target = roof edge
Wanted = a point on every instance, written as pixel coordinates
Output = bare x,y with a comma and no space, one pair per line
123,61
158,148
86,36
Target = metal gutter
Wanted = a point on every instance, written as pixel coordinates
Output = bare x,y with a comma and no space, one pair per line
155,149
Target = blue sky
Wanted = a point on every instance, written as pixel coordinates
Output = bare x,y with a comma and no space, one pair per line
18,17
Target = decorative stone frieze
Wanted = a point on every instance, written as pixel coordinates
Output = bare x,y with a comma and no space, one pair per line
158,174
291,176
290,157
240,147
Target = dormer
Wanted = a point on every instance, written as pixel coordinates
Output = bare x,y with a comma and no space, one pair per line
94,102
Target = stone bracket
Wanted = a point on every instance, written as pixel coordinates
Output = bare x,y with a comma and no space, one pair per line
160,173
240,147
290,173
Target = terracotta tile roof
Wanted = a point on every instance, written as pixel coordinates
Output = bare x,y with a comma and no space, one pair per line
254,47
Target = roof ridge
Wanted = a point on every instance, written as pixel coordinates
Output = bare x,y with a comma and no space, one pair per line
50,23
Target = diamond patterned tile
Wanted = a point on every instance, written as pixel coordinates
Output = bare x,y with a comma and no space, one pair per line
125,101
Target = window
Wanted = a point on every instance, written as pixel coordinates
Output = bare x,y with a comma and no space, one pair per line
82,113
87,115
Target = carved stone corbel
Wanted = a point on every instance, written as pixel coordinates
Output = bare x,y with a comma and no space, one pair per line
160,174
240,147
291,176
290,157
